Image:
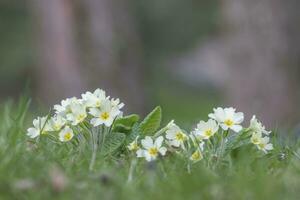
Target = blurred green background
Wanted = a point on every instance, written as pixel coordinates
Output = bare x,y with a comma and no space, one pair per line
187,56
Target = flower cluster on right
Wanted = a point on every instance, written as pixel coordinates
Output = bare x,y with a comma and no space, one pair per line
211,138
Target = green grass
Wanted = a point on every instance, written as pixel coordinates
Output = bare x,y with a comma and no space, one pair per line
55,171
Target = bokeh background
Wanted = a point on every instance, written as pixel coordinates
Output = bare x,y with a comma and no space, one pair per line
186,55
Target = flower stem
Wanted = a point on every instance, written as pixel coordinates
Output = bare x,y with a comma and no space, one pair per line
103,134
222,147
189,167
131,170
95,148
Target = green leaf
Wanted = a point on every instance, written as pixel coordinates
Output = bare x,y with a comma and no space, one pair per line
235,141
125,124
152,122
134,133
128,120
122,129
112,142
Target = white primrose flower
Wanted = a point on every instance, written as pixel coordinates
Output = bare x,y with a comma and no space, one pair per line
134,146
176,136
228,118
256,126
196,156
105,115
56,122
65,107
205,130
78,113
66,134
94,99
261,142
117,103
39,127
264,145
151,150
256,138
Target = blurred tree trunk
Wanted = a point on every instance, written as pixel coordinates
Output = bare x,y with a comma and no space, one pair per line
116,51
261,54
58,72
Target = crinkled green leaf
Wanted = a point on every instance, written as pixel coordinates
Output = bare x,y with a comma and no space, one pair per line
122,129
112,142
152,122
125,124
235,141
134,133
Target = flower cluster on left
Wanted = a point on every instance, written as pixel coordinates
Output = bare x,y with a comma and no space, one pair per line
74,114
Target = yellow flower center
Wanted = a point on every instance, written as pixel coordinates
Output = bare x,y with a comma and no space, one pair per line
98,103
255,140
57,127
208,132
179,136
262,145
134,146
153,151
196,155
228,122
105,115
80,117
68,136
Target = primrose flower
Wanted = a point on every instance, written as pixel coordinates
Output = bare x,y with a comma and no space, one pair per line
105,115
256,138
117,103
56,122
196,156
205,130
134,146
151,150
94,99
257,127
228,118
77,114
66,134
65,107
176,136
264,145
39,127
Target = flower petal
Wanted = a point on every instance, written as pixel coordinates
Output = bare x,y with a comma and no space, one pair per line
158,142
224,127
236,128
163,151
140,153
269,147
238,117
147,142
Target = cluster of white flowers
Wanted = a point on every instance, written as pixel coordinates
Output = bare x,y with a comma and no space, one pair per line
260,136
222,121
93,108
